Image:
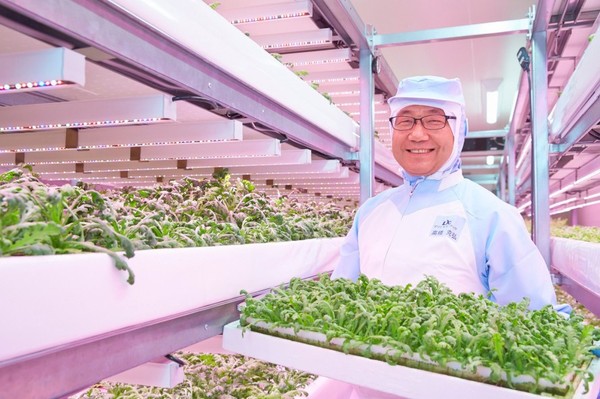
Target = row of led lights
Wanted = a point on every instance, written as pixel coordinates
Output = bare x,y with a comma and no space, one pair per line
31,85
116,159
80,124
300,13
105,146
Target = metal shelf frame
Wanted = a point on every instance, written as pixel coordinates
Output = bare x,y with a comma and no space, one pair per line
67,369
153,59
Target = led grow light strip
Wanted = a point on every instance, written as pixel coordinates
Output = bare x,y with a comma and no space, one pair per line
522,207
90,113
123,136
559,203
340,90
151,174
22,86
306,39
317,57
575,183
288,157
333,77
71,167
352,179
232,149
41,69
376,112
378,99
161,134
33,141
570,208
269,12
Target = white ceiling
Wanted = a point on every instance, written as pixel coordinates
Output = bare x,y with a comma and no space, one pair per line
471,60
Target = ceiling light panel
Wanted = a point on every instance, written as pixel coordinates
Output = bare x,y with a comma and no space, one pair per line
89,113
41,70
268,12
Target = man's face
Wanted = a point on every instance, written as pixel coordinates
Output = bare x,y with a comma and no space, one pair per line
419,151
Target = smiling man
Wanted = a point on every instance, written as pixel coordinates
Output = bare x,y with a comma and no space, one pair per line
438,223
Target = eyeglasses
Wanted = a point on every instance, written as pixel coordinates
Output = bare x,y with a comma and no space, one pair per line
429,122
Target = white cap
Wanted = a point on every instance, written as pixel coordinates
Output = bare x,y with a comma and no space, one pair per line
427,90
435,91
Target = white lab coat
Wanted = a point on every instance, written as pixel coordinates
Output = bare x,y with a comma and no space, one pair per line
452,229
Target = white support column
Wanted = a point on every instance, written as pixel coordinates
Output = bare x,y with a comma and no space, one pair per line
511,167
367,122
540,146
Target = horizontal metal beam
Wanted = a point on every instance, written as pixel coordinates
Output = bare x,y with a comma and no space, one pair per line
583,295
480,169
576,177
452,33
483,179
64,370
484,134
467,154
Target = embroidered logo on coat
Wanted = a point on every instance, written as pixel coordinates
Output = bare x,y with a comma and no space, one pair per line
448,226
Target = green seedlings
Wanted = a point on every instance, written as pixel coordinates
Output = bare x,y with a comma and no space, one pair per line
427,326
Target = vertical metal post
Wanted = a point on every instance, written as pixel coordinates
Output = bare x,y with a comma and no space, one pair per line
367,124
540,147
502,181
511,167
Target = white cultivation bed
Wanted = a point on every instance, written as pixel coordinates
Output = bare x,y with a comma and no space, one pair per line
48,301
401,381
578,260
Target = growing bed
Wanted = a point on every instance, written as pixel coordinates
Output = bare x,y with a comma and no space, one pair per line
502,352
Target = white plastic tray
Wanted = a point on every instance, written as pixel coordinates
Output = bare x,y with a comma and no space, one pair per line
404,382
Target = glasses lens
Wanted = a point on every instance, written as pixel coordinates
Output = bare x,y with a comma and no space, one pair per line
434,122
403,122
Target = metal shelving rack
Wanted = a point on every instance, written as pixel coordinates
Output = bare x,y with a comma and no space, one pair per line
149,57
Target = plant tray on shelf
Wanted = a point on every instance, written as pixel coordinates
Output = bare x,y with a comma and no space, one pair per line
388,370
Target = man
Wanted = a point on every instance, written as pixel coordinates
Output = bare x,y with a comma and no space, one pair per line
439,223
